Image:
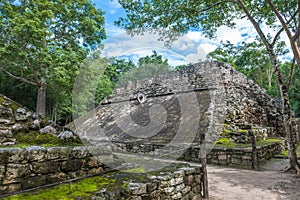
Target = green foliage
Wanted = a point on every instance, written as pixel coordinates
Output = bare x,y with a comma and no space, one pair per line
78,190
135,170
148,66
54,35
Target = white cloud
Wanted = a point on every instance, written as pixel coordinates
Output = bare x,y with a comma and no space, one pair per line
114,6
125,46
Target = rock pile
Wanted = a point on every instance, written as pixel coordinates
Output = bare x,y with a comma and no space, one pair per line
16,119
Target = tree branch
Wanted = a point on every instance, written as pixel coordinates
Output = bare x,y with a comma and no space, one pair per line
261,35
297,33
291,73
293,39
18,77
280,18
282,29
38,81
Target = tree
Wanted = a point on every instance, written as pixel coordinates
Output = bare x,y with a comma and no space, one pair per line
43,38
147,66
172,18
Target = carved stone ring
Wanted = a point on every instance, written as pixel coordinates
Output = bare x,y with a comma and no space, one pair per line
141,97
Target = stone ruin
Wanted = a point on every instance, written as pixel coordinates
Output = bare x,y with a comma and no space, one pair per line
229,104
14,118
209,98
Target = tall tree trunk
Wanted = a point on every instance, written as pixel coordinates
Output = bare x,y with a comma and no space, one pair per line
41,100
41,97
286,112
287,122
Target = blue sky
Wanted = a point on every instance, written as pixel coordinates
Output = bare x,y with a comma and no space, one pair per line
190,48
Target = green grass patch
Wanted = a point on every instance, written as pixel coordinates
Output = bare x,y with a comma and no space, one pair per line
86,188
13,105
39,139
286,152
134,170
268,141
225,142
77,190
225,130
242,131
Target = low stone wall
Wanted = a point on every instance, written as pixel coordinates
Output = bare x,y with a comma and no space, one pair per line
183,183
22,169
218,155
241,157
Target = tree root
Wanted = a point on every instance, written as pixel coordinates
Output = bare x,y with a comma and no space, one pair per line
295,169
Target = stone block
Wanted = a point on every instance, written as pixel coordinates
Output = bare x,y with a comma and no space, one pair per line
36,153
58,153
45,167
15,172
34,181
57,177
95,171
188,180
71,165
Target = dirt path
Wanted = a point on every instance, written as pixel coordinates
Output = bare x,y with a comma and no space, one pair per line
268,184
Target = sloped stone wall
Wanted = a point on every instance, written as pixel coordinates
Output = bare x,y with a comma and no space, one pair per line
221,91
247,103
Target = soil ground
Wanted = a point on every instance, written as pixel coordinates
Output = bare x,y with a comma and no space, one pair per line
240,184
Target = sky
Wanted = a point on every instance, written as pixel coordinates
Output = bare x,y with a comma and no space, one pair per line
190,48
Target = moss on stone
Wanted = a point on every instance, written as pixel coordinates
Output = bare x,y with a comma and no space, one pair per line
225,142
135,170
82,189
36,138
242,131
286,152
12,104
225,132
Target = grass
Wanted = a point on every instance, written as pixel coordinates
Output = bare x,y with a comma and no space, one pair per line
38,139
86,188
135,170
286,152
82,189
225,142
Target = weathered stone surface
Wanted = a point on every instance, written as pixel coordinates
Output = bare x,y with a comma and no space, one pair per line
48,130
15,172
6,113
54,153
33,182
36,153
35,125
71,165
67,136
45,167
55,178
38,166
